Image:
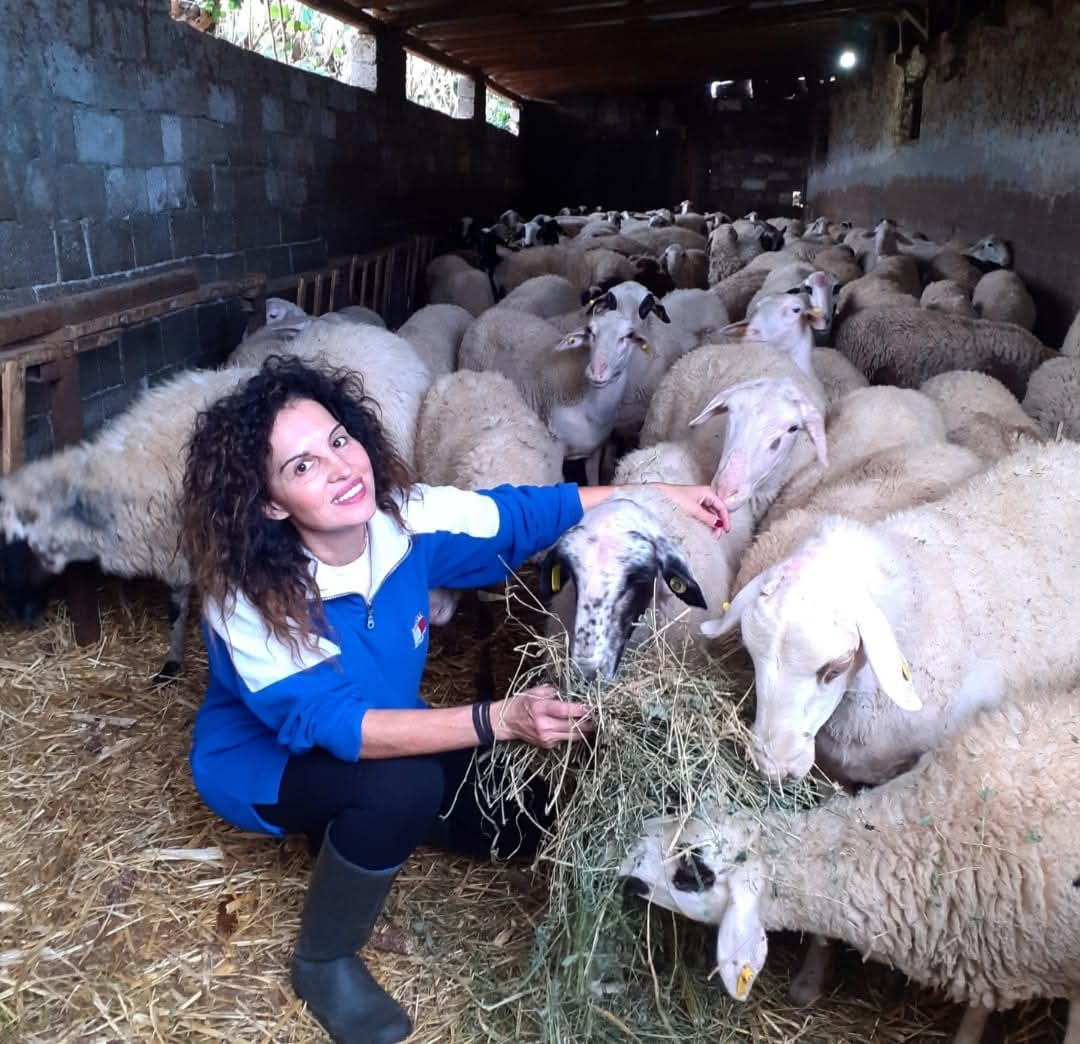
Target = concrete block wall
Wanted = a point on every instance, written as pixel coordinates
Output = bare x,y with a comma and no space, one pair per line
634,151
998,150
133,143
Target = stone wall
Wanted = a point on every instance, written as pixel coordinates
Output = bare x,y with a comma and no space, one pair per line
997,150
132,143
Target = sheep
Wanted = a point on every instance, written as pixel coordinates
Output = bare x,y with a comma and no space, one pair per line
657,240
698,311
723,254
877,485
543,296
575,382
582,267
1071,345
652,275
840,261
954,266
689,269
946,295
781,280
906,347
475,431
1002,297
736,291
863,423
113,499
890,286
991,253
435,332
614,557
394,374
1053,397
961,873
980,413
469,288
277,309
969,591
837,375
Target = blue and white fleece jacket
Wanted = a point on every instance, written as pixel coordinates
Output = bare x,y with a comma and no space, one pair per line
264,704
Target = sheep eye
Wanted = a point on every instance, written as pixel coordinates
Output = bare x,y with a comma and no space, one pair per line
794,428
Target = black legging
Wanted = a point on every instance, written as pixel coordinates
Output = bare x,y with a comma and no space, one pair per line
379,810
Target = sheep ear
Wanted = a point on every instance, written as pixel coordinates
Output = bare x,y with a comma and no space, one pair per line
885,658
734,610
741,944
677,575
576,339
736,330
716,406
552,573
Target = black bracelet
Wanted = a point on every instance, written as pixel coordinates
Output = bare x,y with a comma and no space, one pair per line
481,719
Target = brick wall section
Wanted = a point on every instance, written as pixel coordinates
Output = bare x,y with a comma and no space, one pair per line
631,151
998,150
138,143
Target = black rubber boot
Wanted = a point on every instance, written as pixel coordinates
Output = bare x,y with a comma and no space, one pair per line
342,904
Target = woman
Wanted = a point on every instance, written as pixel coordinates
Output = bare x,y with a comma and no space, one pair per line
314,553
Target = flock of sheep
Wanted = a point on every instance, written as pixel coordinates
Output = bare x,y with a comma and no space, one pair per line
896,450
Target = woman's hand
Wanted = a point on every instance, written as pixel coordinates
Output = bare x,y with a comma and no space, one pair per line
539,717
699,502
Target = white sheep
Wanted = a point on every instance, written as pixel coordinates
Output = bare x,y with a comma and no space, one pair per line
867,421
689,269
870,489
435,332
722,251
393,373
980,413
544,296
947,295
575,382
907,346
1053,397
961,873
872,643
1002,297
475,431
582,266
113,499
1071,344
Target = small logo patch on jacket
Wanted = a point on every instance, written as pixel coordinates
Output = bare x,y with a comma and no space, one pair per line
419,629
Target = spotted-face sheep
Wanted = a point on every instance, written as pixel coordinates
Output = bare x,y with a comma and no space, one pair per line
908,346
961,873
874,642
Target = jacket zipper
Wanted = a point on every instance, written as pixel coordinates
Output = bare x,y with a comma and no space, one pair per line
371,601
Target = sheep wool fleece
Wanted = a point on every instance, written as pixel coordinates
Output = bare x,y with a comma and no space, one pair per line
264,702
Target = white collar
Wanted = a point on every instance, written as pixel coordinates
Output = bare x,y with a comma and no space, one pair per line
387,545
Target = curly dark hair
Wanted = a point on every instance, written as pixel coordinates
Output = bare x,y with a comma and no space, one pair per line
232,545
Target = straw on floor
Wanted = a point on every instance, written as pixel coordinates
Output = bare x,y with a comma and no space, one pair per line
129,912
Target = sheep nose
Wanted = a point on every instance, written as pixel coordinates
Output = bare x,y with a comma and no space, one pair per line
634,887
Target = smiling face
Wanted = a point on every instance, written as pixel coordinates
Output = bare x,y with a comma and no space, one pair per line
320,478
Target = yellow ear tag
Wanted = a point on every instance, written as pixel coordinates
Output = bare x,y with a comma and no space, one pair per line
746,979
905,670
676,585
556,577
645,348
725,607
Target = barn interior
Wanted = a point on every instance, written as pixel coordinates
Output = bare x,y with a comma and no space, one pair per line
160,182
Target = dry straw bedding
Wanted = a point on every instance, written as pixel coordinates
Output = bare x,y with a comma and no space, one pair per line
128,912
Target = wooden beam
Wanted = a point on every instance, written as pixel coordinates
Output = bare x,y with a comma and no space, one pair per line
12,415
22,324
